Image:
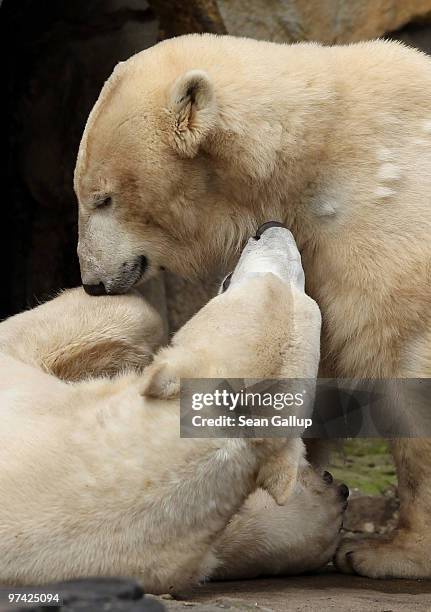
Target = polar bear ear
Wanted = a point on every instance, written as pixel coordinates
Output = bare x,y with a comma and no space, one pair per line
193,107
160,382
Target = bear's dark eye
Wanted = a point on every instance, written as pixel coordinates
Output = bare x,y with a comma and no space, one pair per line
226,282
103,203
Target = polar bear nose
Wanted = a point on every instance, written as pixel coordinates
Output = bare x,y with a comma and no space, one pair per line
266,226
126,276
98,289
272,250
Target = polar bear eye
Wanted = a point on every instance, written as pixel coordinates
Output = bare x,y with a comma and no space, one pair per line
103,202
226,283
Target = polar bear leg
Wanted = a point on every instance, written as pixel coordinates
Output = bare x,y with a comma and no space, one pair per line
406,553
74,336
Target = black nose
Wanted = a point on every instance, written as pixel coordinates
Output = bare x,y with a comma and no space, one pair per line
95,289
144,263
344,491
266,226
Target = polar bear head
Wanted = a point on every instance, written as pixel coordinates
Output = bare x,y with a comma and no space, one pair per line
276,332
168,164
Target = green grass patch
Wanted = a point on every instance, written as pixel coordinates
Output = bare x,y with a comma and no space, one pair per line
366,465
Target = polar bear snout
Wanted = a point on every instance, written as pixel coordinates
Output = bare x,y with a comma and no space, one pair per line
111,259
272,250
128,275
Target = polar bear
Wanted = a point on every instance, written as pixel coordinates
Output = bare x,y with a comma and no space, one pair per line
198,140
94,478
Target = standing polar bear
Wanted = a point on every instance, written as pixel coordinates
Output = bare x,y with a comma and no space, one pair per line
196,141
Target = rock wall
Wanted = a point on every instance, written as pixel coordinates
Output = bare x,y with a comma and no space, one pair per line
328,21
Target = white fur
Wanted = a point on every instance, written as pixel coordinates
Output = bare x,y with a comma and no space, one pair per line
94,478
334,142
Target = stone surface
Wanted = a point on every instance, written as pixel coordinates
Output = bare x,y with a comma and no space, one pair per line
325,592
213,605
329,21
190,16
86,595
371,514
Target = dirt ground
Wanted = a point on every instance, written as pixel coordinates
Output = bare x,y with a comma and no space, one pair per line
324,592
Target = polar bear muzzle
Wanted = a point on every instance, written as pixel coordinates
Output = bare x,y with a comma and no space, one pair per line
131,272
272,250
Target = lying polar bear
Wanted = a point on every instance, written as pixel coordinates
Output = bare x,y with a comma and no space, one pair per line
94,478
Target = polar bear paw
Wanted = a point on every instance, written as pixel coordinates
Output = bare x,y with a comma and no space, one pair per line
403,554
